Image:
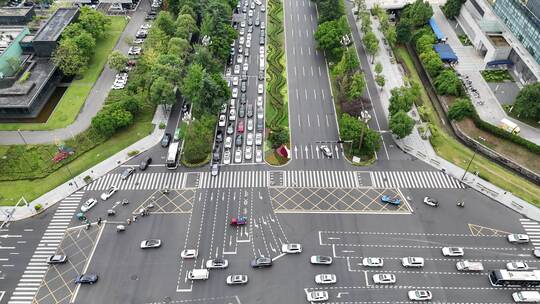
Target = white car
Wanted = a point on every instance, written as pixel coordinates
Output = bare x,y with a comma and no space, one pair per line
420,295
235,80
248,154
325,278
138,41
217,264
241,50
372,262
222,120
261,50
242,23
154,243
232,114
245,67
260,88
248,43
258,156
517,266
249,138
227,157
117,86
228,142
248,36
189,254
238,156
241,40
112,190
250,127
317,296
263,25
146,26
241,31
258,139
326,151
320,260
453,251
291,248
237,279
263,8
88,204
228,72
259,101
240,58
518,238
412,262
235,93
431,201
384,278
250,13
237,69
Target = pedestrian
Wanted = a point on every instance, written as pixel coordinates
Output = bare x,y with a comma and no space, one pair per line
128,221
134,218
99,221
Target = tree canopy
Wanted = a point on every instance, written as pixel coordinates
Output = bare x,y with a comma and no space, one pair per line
448,83
418,12
117,60
401,124
527,103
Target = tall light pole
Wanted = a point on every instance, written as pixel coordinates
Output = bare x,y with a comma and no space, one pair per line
470,162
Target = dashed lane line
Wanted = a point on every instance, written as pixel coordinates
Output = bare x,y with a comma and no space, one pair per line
409,233
429,247
449,259
415,287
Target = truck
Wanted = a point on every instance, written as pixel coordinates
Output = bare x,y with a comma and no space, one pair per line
509,126
469,266
198,274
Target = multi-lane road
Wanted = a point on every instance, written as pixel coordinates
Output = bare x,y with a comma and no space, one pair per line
327,205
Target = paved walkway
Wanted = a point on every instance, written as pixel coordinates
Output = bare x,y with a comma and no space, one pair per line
52,197
422,149
95,99
470,64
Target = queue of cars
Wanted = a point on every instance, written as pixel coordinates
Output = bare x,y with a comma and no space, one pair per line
239,135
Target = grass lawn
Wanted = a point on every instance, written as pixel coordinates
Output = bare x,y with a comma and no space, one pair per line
73,99
452,150
32,189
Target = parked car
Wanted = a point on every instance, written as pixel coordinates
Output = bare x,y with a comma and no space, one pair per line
372,262
317,296
419,295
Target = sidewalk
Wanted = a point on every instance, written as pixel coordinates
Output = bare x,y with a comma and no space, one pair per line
94,101
470,64
52,197
422,149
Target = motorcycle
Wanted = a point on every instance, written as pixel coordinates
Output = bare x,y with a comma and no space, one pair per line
460,204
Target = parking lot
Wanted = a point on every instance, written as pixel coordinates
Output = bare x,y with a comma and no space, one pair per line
240,131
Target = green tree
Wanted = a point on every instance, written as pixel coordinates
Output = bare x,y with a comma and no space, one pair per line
72,30
157,40
361,5
452,7
117,60
372,44
173,6
461,108
348,63
378,68
165,22
384,23
432,62
93,21
203,56
69,58
186,9
448,83
404,30
330,10
278,137
366,23
402,99
162,93
350,129
527,103
418,12
391,35
103,123
371,141
425,43
198,139
192,86
185,26
379,79
401,124
120,117
86,44
357,87
328,37
179,47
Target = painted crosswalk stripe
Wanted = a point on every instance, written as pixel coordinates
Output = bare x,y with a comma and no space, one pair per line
140,181
413,179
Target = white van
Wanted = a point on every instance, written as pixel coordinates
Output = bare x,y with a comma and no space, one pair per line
526,296
198,274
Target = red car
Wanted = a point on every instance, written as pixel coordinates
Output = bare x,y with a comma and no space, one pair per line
242,220
240,127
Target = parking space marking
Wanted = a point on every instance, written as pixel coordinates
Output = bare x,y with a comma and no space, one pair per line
336,200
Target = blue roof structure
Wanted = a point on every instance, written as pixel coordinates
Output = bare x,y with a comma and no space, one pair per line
500,62
438,33
445,52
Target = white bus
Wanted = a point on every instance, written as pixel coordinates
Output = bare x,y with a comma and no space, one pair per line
172,156
514,278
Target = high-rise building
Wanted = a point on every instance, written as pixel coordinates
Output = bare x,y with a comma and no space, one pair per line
522,17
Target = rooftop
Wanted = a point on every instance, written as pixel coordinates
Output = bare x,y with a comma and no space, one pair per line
14,11
23,94
498,41
7,35
52,30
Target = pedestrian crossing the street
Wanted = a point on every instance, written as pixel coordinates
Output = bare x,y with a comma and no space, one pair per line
414,179
234,179
37,267
532,229
141,181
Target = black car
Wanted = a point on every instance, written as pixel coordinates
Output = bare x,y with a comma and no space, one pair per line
250,110
261,75
250,21
219,136
216,155
242,111
166,140
243,98
243,87
261,262
239,140
144,164
244,75
260,125
88,278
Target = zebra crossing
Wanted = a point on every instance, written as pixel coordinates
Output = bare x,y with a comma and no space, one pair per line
320,179
37,267
141,181
413,179
532,229
233,179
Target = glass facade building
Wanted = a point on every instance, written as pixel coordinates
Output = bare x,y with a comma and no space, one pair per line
523,19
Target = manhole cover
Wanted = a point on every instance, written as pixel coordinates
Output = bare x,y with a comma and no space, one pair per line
134,277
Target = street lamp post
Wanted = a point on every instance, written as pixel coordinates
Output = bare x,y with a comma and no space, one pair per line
470,162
